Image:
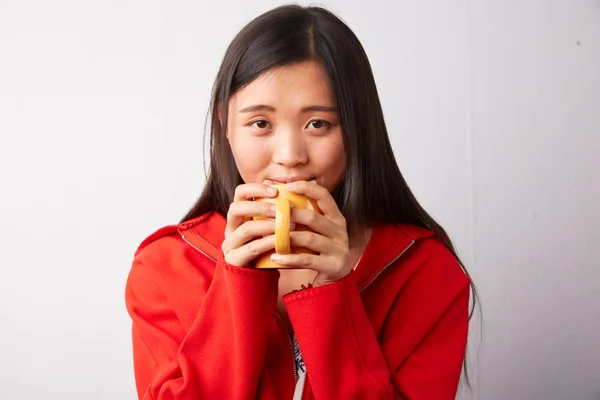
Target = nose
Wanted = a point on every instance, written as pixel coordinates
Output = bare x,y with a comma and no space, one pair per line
290,148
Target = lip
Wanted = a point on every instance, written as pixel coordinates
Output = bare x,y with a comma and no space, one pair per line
288,179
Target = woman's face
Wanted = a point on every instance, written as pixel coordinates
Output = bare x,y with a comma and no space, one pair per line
283,126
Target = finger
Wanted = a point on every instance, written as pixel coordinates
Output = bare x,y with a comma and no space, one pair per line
313,241
320,194
250,230
241,211
249,191
324,265
317,222
242,256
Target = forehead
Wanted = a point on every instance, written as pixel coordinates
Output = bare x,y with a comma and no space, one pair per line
294,85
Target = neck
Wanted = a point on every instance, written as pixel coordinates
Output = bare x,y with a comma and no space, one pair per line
359,238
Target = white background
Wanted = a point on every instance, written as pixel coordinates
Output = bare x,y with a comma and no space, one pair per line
493,108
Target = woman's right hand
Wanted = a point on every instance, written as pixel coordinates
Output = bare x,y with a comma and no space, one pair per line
245,238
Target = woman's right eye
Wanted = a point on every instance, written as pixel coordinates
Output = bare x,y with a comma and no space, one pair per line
260,124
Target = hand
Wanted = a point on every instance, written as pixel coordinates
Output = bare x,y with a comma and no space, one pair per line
240,246
329,238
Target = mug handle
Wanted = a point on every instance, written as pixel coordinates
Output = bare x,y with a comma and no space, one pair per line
282,226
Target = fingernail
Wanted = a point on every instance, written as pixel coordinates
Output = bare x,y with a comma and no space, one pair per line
275,258
271,190
273,208
290,185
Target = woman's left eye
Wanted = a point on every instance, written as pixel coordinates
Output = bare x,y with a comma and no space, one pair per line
318,124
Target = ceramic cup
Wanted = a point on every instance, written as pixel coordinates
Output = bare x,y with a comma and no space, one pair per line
284,202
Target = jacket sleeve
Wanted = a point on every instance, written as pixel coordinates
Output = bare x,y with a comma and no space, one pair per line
418,354
221,355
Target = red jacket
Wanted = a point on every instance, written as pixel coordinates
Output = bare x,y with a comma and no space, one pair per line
394,328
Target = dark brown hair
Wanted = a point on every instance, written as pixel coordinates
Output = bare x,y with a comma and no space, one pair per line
372,191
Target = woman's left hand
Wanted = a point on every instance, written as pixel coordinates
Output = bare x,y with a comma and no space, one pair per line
329,238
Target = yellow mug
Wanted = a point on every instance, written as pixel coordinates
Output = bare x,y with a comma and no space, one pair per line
284,202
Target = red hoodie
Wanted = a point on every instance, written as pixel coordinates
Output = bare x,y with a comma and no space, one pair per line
394,328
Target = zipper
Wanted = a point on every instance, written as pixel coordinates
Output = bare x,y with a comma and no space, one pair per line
387,265
282,326
204,253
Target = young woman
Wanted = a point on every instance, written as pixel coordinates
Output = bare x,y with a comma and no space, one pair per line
380,312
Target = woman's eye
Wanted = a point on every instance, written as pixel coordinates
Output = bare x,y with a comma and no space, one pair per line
318,124
260,124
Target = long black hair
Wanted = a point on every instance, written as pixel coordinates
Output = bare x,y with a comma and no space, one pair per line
372,190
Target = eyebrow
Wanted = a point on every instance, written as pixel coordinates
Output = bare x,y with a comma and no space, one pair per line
264,107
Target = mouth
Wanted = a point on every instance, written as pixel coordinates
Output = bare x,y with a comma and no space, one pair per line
288,179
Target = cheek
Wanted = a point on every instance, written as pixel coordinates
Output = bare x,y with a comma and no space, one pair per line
331,159
251,156
331,153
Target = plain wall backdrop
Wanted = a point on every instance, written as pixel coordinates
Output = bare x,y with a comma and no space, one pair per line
493,108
